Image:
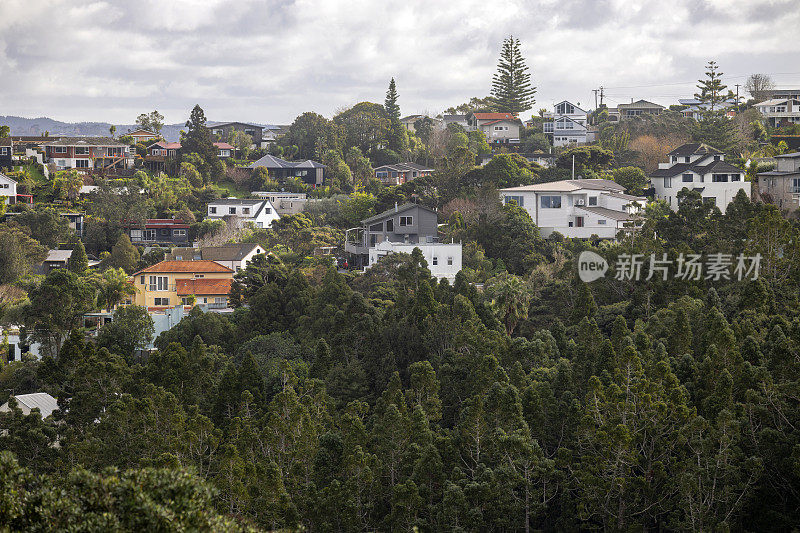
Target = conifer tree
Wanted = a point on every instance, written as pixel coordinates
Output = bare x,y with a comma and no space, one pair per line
78,262
390,104
511,85
712,90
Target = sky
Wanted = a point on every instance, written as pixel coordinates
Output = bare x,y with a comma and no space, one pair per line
268,61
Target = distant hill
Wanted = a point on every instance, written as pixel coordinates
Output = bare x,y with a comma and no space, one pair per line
37,126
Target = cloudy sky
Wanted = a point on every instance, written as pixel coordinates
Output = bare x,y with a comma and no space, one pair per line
269,60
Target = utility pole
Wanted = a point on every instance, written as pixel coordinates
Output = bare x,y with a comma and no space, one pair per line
573,166
595,98
601,95
737,95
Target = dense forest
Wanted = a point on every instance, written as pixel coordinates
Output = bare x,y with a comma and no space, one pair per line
388,400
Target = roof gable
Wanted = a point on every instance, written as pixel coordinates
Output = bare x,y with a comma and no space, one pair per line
397,210
176,267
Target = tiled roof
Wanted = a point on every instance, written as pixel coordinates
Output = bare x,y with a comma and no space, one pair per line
237,201
166,145
142,132
81,141
224,146
202,266
494,116
203,286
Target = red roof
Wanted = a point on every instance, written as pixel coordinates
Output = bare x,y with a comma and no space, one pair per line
166,145
494,116
224,146
152,223
186,267
203,287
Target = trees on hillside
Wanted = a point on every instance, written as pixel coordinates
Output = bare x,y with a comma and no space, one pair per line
152,121
198,140
512,91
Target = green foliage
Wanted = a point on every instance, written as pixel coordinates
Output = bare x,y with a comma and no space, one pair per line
20,253
131,329
44,225
632,178
511,85
78,262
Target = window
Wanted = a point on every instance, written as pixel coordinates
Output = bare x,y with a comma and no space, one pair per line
199,276
553,202
449,261
719,178
795,185
565,108
81,150
245,210
686,159
149,234
667,183
687,178
231,210
220,300
406,221
519,200
736,177
159,283
435,260
593,200
179,233
141,279
60,149
4,150
602,222
716,158
212,210
81,163
186,301
161,301
268,210
390,225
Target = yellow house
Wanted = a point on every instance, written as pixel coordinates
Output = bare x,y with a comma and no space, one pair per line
169,283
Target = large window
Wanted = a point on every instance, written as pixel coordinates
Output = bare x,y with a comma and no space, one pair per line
159,283
390,225
231,210
795,185
81,150
667,183
719,178
736,177
687,178
161,301
519,200
406,221
179,233
81,163
553,202
60,149
565,108
593,200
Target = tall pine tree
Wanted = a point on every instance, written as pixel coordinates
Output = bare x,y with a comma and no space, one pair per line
712,90
511,86
392,109
397,137
714,128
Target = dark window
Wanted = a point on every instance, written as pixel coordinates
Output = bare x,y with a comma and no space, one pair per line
687,178
593,200
406,221
551,202
390,225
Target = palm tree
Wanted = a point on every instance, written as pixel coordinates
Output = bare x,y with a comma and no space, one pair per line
510,298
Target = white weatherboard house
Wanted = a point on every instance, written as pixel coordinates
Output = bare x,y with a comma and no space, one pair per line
702,168
567,124
444,259
578,208
8,189
259,213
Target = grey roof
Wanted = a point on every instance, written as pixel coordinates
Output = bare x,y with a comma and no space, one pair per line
780,173
78,141
694,149
626,196
698,167
403,167
395,210
641,103
6,177
37,400
220,124
598,184
609,213
270,161
227,252
793,155
58,256
454,118
237,201
718,166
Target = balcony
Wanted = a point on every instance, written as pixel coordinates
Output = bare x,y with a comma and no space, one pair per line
354,241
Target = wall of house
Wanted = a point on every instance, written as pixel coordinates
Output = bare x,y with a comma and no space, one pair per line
145,297
444,260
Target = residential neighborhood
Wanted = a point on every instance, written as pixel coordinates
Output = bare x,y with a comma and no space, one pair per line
399,266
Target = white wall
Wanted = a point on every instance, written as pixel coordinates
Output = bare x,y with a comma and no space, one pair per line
436,254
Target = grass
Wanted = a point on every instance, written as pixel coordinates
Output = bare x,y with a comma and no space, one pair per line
233,189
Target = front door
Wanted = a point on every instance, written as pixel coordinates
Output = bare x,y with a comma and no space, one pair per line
578,222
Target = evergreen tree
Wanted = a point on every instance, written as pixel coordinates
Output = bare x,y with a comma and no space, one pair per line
392,109
198,140
78,262
124,255
511,85
712,90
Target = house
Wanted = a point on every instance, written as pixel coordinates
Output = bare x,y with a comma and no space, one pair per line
567,125
234,256
702,168
497,127
639,107
168,283
164,149
272,134
409,223
74,221
446,120
400,173
779,112
444,259
578,208
224,150
155,231
285,203
223,131
88,153
308,171
55,259
409,121
695,107
8,190
42,401
256,212
6,152
784,93
782,185
143,136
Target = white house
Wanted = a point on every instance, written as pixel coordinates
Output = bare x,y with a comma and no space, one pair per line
259,213
285,203
699,167
780,111
695,107
567,125
444,260
8,190
578,208
234,256
497,127
42,401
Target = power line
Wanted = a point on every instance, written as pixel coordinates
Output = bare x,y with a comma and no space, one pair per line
695,81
